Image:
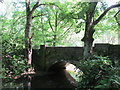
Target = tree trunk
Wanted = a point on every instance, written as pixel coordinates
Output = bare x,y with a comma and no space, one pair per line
88,41
55,31
89,27
28,38
87,49
89,30
54,40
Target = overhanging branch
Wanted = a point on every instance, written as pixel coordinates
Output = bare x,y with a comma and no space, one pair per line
104,13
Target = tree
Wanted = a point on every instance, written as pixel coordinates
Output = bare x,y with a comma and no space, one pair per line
89,27
28,35
54,26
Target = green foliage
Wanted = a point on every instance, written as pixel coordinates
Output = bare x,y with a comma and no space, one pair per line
69,14
13,65
99,73
12,32
109,82
55,22
79,10
12,39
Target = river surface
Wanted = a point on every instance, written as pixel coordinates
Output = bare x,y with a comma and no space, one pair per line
54,80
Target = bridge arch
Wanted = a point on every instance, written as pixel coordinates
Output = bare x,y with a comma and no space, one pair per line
62,68
62,65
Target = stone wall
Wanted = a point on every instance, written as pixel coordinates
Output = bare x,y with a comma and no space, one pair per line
46,56
107,50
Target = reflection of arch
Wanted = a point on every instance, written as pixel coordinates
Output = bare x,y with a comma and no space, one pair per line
62,68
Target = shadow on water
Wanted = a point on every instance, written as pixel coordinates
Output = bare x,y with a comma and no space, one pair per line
59,78
46,81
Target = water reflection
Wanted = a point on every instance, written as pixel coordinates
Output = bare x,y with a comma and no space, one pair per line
59,78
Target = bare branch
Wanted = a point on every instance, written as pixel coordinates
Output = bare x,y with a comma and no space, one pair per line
117,18
38,15
50,24
35,6
104,13
64,24
18,19
117,13
38,5
56,20
66,30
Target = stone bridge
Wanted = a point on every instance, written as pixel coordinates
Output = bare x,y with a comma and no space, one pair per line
45,57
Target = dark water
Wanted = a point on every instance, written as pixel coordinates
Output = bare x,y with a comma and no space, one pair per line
51,81
54,80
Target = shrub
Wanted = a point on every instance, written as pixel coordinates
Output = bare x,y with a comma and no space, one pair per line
99,73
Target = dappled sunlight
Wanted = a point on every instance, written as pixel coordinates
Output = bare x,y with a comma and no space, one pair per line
72,68
75,72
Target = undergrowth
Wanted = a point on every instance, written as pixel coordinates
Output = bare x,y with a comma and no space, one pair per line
99,73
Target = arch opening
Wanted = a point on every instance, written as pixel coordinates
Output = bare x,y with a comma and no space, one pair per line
68,70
